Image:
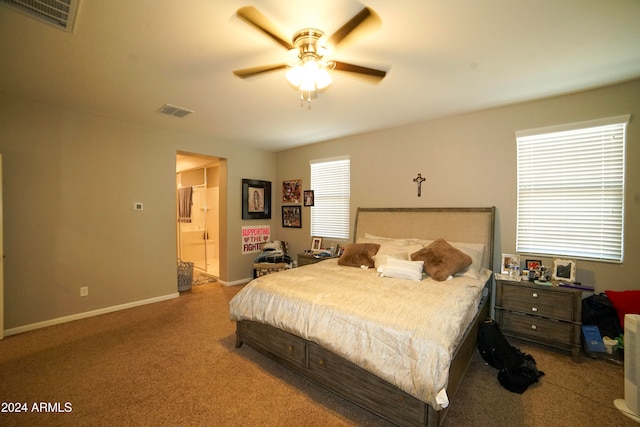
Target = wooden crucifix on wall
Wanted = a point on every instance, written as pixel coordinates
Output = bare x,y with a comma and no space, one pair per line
419,180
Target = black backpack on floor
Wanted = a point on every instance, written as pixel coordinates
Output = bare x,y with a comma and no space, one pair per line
516,370
598,310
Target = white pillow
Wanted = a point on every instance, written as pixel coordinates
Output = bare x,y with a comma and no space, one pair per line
389,249
373,236
379,260
402,269
412,249
476,252
399,251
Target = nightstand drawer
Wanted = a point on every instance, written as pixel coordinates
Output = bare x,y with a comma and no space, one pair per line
538,302
536,327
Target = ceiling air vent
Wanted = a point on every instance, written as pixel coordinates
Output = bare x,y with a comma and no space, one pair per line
59,13
172,110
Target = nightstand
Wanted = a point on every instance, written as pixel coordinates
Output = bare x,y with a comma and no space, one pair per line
304,259
548,315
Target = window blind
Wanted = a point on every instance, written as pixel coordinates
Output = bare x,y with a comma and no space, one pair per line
331,185
571,190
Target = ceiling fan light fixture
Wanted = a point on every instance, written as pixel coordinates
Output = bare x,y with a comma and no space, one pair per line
309,74
323,79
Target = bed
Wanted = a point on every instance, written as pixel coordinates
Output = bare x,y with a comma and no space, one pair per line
396,347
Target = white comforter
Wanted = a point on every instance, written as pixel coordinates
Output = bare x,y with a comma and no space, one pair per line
403,331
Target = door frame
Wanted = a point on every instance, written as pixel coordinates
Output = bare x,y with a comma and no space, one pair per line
222,204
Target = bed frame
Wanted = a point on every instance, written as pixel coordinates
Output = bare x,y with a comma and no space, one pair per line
473,225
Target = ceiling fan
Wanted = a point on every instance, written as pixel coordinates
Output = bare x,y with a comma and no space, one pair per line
309,72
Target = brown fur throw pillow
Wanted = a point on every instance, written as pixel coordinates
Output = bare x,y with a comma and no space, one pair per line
357,254
442,260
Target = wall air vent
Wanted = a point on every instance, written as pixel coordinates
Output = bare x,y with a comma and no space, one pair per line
59,13
172,110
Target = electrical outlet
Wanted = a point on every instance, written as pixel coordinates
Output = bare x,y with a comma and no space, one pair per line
84,291
138,206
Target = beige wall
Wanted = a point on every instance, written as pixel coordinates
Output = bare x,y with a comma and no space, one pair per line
70,180
470,160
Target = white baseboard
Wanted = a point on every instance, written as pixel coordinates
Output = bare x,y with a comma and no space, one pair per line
235,282
86,314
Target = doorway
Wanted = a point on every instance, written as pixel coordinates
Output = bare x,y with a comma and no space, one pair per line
198,185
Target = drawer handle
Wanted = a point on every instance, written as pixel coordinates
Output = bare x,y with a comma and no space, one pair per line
534,327
535,295
291,348
534,309
321,362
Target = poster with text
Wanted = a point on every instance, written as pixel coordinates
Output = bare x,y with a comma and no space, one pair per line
254,237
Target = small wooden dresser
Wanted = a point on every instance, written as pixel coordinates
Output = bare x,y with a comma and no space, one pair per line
548,315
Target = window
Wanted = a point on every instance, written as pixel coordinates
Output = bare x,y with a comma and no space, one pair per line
571,190
330,182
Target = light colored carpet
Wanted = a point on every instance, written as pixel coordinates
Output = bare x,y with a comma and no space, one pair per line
175,363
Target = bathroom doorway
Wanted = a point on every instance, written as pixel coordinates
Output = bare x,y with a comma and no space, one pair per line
198,195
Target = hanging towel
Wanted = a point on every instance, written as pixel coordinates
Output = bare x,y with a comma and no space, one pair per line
185,200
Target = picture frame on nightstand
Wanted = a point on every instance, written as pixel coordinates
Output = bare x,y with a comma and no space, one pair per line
532,264
564,270
316,244
508,259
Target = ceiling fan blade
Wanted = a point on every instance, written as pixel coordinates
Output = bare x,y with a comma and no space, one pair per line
252,16
365,19
368,74
250,72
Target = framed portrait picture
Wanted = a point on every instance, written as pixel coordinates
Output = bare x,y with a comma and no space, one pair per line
508,259
316,244
308,198
564,270
292,216
256,199
532,264
292,191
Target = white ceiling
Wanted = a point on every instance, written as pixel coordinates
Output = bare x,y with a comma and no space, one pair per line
125,59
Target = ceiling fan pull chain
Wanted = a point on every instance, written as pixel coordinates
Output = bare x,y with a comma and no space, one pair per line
308,94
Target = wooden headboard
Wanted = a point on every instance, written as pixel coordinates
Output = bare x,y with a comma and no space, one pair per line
471,225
